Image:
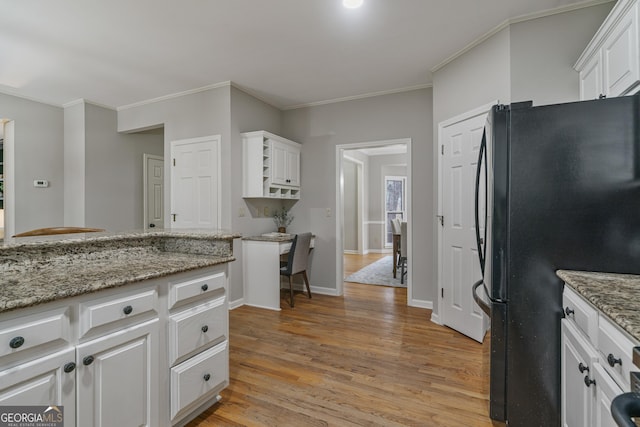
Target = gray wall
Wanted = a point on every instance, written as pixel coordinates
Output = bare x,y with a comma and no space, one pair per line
114,171
321,128
350,206
39,137
543,52
74,165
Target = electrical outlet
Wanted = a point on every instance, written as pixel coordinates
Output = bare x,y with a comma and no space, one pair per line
328,212
266,211
241,212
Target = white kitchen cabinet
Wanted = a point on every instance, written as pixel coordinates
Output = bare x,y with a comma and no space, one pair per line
49,380
596,361
578,358
610,65
271,166
117,381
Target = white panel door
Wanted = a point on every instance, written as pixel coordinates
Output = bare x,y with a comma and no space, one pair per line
279,163
154,191
293,167
621,61
460,265
117,379
195,183
591,79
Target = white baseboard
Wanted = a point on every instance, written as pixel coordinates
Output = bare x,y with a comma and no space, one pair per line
435,319
380,251
351,252
235,304
324,291
420,304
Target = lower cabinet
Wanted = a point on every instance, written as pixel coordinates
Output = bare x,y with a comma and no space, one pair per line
49,380
607,390
118,378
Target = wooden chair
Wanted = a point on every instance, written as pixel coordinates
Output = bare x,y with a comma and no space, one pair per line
395,231
297,261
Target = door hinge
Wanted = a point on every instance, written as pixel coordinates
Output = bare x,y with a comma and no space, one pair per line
441,219
174,217
174,162
442,149
442,292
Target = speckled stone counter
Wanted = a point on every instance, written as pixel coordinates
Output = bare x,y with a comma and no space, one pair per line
273,238
36,270
616,295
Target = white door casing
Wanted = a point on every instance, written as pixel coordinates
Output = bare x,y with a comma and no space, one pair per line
153,188
459,267
195,183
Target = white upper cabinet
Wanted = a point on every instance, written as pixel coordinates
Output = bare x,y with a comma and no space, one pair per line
610,65
271,166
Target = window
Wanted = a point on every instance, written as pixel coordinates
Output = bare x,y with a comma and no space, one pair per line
395,203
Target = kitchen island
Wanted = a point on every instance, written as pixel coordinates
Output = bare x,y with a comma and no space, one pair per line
118,328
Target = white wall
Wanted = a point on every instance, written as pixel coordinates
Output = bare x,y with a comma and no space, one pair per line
543,52
74,165
114,171
38,134
321,128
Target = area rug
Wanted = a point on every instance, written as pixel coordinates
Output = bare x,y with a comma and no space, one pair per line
378,273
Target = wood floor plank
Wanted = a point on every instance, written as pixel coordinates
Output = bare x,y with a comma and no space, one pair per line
362,359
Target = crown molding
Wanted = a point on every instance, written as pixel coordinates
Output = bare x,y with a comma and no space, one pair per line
355,97
28,98
516,20
175,95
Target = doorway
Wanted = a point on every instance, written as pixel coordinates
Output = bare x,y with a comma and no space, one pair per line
369,163
153,191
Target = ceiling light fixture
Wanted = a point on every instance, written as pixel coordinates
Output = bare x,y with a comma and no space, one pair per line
352,4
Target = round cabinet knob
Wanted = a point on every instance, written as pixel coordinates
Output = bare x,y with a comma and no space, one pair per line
69,367
582,367
613,361
207,377
87,360
205,287
205,328
568,311
127,310
588,381
16,342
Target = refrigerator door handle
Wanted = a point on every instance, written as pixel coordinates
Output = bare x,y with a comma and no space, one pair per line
480,241
481,303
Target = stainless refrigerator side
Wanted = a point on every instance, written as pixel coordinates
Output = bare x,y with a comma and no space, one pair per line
566,194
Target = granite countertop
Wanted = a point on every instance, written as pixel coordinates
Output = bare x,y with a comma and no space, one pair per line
275,237
35,270
616,295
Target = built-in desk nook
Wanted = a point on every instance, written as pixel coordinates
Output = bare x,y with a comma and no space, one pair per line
261,268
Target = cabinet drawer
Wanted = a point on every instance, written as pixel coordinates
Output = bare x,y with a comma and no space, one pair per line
195,380
184,291
194,328
108,310
23,333
581,314
616,351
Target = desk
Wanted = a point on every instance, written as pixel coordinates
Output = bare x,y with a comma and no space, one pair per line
261,269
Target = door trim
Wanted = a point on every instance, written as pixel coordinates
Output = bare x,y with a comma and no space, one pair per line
361,249
340,149
145,207
484,109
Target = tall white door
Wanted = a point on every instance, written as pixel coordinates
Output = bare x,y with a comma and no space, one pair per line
154,191
460,144
195,183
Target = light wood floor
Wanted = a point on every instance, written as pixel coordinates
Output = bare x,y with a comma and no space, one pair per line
362,359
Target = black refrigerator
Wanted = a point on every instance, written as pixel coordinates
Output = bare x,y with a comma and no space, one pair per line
562,192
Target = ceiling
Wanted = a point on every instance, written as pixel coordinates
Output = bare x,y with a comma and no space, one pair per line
286,52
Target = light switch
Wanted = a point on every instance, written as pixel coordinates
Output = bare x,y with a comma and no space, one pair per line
266,211
241,212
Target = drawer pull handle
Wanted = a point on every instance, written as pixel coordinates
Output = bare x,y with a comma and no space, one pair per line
16,342
69,367
568,311
205,328
207,377
87,360
582,367
588,381
205,287
127,310
613,361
